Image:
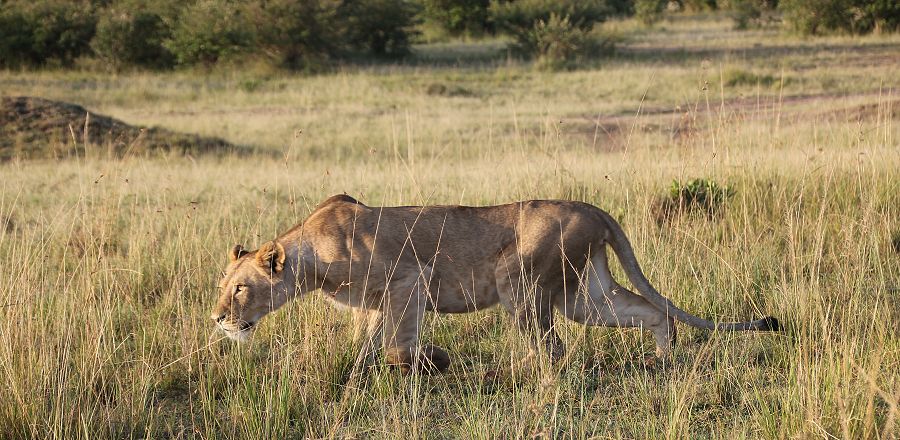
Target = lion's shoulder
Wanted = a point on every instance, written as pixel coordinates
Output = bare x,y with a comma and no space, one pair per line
338,198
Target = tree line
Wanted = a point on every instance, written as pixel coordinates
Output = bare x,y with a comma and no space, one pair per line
309,34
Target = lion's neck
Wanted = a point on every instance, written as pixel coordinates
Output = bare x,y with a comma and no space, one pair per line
299,267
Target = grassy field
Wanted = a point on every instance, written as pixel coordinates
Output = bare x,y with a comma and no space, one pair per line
109,265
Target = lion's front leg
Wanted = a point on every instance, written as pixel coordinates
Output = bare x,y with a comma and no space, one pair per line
368,333
403,311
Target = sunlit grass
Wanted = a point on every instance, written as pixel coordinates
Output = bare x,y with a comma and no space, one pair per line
110,264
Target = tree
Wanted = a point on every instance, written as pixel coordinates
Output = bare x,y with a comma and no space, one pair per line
458,17
126,38
554,32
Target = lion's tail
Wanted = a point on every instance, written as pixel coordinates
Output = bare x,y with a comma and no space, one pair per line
625,253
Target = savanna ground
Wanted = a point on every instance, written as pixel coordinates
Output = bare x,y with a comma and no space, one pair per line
109,265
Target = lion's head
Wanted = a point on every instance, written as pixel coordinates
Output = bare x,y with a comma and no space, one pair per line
252,285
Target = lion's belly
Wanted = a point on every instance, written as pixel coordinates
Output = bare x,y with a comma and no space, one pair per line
462,290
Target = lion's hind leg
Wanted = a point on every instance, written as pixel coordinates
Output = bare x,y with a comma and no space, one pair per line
600,301
530,306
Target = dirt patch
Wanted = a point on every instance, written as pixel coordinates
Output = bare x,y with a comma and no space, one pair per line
32,128
681,122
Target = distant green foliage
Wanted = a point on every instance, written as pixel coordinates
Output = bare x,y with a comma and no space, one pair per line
738,77
843,16
649,11
16,39
459,17
380,27
746,13
126,38
555,32
45,32
519,17
309,34
560,44
704,196
210,31
697,5
296,34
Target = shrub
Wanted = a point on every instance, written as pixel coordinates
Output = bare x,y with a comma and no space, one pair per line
45,32
210,31
519,17
296,34
814,16
845,16
559,44
554,32
879,16
697,5
745,12
696,195
649,11
458,17
380,27
132,39
738,77
438,89
16,39
305,34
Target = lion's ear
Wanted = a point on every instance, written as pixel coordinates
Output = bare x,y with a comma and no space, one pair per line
271,255
237,252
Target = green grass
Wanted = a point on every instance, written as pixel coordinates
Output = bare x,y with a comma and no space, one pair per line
109,265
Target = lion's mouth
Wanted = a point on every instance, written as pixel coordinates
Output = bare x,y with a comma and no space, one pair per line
239,332
237,327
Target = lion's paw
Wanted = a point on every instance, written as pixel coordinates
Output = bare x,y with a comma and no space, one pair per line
427,359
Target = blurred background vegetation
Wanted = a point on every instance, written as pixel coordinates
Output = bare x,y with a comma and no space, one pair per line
313,35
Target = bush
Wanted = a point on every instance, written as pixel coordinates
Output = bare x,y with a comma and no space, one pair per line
842,16
814,16
132,39
739,77
649,11
459,17
554,32
296,34
306,34
519,17
879,16
210,31
697,5
15,39
380,27
745,12
696,195
55,32
559,44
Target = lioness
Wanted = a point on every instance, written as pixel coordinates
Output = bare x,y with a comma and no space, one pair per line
395,263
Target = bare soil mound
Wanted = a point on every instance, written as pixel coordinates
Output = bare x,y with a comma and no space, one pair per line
33,128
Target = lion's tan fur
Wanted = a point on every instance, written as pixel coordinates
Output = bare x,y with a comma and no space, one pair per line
396,263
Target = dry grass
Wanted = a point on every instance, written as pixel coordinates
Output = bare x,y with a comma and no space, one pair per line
109,265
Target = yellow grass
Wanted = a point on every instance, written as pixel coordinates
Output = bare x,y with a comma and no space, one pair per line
109,265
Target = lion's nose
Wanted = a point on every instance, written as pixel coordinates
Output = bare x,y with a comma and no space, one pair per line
218,317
